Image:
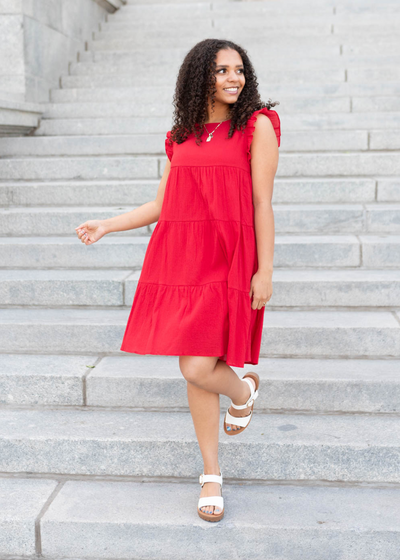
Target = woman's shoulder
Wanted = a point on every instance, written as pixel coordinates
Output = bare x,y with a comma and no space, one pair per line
273,117
251,125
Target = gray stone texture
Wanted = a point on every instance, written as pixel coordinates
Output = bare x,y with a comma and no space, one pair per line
29,379
323,333
38,39
288,384
285,521
293,447
21,502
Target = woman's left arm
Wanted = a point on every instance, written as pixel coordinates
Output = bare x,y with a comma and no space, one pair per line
264,163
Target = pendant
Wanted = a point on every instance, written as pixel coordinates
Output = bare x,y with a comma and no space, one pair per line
209,138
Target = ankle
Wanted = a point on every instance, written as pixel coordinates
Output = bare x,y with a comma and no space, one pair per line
212,469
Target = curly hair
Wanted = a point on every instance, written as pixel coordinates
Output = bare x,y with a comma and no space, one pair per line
196,82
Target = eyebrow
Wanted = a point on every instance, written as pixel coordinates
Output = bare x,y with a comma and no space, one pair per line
226,65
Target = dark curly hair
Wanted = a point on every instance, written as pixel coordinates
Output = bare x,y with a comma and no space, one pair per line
196,82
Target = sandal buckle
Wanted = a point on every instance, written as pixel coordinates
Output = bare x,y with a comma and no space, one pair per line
201,479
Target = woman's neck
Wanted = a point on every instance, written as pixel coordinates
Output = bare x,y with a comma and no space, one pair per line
214,122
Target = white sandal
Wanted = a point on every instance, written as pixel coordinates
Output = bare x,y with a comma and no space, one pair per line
243,421
217,501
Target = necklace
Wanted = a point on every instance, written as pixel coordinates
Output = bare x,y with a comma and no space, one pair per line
210,134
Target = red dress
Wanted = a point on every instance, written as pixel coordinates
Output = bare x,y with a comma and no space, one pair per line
192,297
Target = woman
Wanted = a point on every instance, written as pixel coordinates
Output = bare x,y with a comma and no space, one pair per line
207,272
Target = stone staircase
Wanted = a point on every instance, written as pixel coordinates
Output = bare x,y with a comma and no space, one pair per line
98,455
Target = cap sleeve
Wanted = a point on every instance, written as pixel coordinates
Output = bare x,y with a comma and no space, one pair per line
251,123
169,146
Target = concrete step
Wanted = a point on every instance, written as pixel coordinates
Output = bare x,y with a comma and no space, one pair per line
319,334
312,7
295,141
21,502
64,288
146,94
296,218
123,192
315,122
364,45
18,117
123,67
292,288
337,448
49,221
166,77
339,70
125,252
287,385
290,520
267,13
323,164
153,109
146,30
267,28
80,168
330,54
174,52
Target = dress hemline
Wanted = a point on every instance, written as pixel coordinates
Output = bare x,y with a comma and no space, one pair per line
191,354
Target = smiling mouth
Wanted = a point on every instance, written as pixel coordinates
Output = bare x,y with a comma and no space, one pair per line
232,90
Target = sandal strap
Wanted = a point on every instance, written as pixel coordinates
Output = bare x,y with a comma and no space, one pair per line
241,421
211,501
203,478
251,399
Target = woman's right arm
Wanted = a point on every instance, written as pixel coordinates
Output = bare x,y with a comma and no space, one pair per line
91,231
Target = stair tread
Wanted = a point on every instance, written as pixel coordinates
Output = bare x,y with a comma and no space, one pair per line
358,431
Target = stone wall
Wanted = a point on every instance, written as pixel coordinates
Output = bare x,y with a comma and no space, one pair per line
38,38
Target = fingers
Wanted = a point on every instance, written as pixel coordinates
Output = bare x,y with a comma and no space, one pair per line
83,236
259,303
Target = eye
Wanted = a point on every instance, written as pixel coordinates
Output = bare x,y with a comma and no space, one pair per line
223,69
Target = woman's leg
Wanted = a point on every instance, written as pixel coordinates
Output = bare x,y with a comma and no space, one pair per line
207,377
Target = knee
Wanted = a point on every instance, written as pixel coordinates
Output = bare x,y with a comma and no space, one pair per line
192,370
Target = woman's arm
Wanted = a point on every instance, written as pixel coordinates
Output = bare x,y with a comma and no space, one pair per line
148,213
264,163
143,215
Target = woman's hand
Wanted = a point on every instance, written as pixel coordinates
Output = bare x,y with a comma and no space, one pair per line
260,289
90,232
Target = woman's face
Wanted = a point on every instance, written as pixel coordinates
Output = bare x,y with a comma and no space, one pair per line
230,76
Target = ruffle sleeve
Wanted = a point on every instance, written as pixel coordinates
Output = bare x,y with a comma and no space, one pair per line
251,123
169,146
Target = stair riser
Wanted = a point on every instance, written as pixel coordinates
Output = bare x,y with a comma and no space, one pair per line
342,219
141,167
351,45
86,456
71,253
103,62
138,108
84,292
297,141
287,385
276,342
168,78
312,129
289,395
148,94
104,193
